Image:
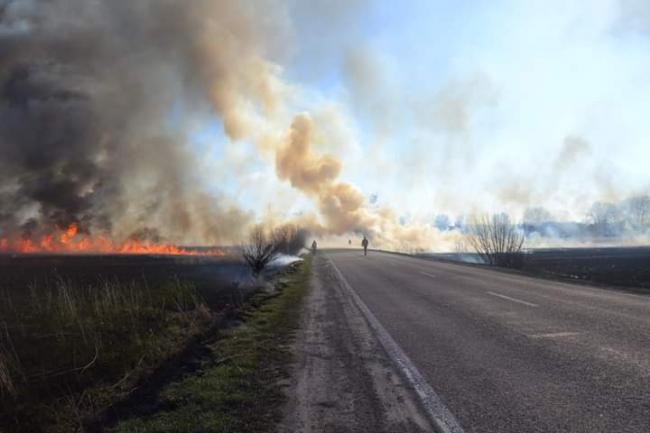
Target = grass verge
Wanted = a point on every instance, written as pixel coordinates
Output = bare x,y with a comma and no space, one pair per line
69,350
235,389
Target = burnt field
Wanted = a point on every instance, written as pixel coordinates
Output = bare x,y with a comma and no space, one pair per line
616,266
78,333
627,267
214,277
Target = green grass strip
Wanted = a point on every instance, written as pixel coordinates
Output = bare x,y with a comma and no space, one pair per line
236,389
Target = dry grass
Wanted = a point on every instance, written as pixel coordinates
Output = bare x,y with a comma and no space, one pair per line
236,388
68,350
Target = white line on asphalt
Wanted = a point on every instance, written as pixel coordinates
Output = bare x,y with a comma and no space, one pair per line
530,304
554,335
443,420
428,274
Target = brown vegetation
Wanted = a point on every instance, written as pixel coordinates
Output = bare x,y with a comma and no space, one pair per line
497,241
264,246
67,350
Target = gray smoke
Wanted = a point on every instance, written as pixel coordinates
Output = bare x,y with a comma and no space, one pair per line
87,90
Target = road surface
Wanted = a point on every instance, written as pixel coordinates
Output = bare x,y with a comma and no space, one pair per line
509,353
342,380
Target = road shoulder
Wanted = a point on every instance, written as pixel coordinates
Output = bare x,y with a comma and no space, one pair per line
342,380
232,382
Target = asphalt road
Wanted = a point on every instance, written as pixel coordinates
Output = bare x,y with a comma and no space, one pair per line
508,353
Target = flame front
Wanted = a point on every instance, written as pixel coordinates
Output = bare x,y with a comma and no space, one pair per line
70,241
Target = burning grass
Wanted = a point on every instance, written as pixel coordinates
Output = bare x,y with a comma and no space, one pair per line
71,240
67,350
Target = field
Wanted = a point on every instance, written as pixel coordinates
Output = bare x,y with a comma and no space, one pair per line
617,266
613,266
212,276
79,333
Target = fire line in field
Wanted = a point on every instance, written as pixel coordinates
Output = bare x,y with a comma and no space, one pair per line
71,241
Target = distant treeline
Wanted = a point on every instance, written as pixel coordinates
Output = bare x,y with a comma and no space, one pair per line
604,219
626,218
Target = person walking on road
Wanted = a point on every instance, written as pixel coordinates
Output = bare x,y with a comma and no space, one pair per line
314,246
364,244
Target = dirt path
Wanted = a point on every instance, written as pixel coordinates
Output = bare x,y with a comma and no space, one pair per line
342,380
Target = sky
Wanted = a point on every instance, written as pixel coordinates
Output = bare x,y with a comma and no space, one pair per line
458,107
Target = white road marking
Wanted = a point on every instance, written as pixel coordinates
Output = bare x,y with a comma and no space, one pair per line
442,418
555,335
519,301
428,274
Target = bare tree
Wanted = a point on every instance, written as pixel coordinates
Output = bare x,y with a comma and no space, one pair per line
497,240
264,246
291,239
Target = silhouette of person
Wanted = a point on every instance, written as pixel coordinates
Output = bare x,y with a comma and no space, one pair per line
350,242
364,244
314,245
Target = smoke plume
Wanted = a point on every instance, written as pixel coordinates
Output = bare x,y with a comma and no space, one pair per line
90,134
343,209
87,90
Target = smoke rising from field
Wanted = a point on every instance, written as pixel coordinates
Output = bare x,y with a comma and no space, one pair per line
90,130
87,136
86,94
509,105
343,209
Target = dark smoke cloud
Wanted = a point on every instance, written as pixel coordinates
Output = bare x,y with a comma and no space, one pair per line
86,90
89,134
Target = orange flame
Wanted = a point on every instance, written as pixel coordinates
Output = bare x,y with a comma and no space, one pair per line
71,241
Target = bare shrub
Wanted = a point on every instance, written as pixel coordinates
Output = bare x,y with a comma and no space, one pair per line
290,238
262,249
264,246
497,240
